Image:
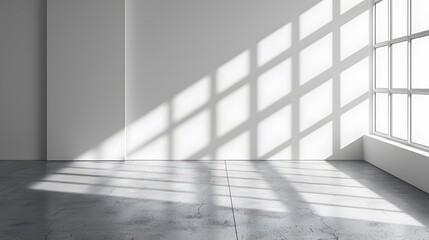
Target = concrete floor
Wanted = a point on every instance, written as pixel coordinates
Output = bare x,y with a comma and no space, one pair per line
208,200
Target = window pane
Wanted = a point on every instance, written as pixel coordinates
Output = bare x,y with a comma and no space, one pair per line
381,67
399,115
420,60
381,21
419,15
420,119
381,112
399,18
399,65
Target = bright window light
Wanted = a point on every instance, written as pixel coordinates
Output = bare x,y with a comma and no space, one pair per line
399,65
381,67
381,113
419,16
420,60
399,115
420,119
399,18
381,21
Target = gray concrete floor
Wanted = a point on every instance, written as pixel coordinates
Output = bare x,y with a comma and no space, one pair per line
208,200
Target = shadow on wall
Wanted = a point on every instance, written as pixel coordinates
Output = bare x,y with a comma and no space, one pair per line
245,80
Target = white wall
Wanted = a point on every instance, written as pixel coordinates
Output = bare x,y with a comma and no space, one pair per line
404,162
246,79
22,79
85,78
215,80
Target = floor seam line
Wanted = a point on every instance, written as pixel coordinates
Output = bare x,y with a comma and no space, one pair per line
230,198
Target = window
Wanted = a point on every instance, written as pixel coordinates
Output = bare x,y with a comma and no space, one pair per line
401,72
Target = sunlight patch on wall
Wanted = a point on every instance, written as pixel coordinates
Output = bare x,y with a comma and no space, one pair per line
146,128
354,35
112,148
274,84
354,123
192,98
274,130
205,158
166,132
318,144
315,105
309,24
315,59
237,148
284,154
191,136
346,5
157,149
233,71
233,110
274,44
354,81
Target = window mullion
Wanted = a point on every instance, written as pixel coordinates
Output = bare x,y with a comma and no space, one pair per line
389,75
409,72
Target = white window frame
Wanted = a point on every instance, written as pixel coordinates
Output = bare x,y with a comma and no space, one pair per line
408,91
